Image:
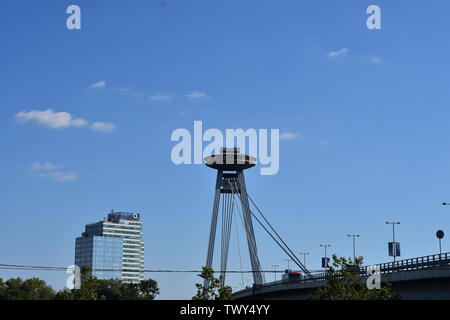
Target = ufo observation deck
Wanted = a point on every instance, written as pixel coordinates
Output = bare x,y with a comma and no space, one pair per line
230,159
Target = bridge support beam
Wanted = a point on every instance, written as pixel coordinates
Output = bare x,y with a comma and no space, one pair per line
228,185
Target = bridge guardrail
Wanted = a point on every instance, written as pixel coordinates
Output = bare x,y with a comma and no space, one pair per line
412,264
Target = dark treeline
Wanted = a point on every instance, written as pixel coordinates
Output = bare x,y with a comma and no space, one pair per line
91,289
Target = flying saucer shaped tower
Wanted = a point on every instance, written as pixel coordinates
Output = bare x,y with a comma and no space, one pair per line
231,194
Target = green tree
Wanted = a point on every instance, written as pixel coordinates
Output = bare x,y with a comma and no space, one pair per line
2,289
148,289
65,294
215,290
91,289
344,283
111,289
29,289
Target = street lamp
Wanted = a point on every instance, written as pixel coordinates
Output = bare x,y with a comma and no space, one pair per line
288,260
394,245
275,272
354,252
304,257
326,259
440,235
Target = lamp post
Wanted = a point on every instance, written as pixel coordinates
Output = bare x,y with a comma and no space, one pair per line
275,272
440,235
326,259
304,257
288,260
354,251
394,246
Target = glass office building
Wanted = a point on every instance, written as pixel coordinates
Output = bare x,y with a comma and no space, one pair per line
103,255
113,244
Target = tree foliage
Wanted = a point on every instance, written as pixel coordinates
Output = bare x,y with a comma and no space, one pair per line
29,289
344,283
215,291
91,289
112,289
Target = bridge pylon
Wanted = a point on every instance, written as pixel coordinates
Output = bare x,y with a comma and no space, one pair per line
230,191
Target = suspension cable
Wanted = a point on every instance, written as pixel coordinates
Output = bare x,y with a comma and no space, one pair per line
279,237
287,250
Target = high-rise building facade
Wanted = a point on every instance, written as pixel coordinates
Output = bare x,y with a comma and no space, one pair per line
113,244
103,256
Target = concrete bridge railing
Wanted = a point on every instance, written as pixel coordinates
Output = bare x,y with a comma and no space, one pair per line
390,271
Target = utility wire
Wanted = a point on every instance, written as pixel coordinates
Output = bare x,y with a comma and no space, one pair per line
4,266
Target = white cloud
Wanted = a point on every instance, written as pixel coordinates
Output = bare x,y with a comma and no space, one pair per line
51,119
289,136
130,91
59,176
125,89
375,60
59,120
161,97
44,166
103,126
98,85
52,172
340,53
196,95
77,123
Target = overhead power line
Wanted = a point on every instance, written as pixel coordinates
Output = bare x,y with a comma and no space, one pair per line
4,266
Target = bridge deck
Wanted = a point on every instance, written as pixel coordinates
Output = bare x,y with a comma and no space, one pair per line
428,268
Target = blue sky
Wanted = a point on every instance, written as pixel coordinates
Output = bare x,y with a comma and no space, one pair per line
369,125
